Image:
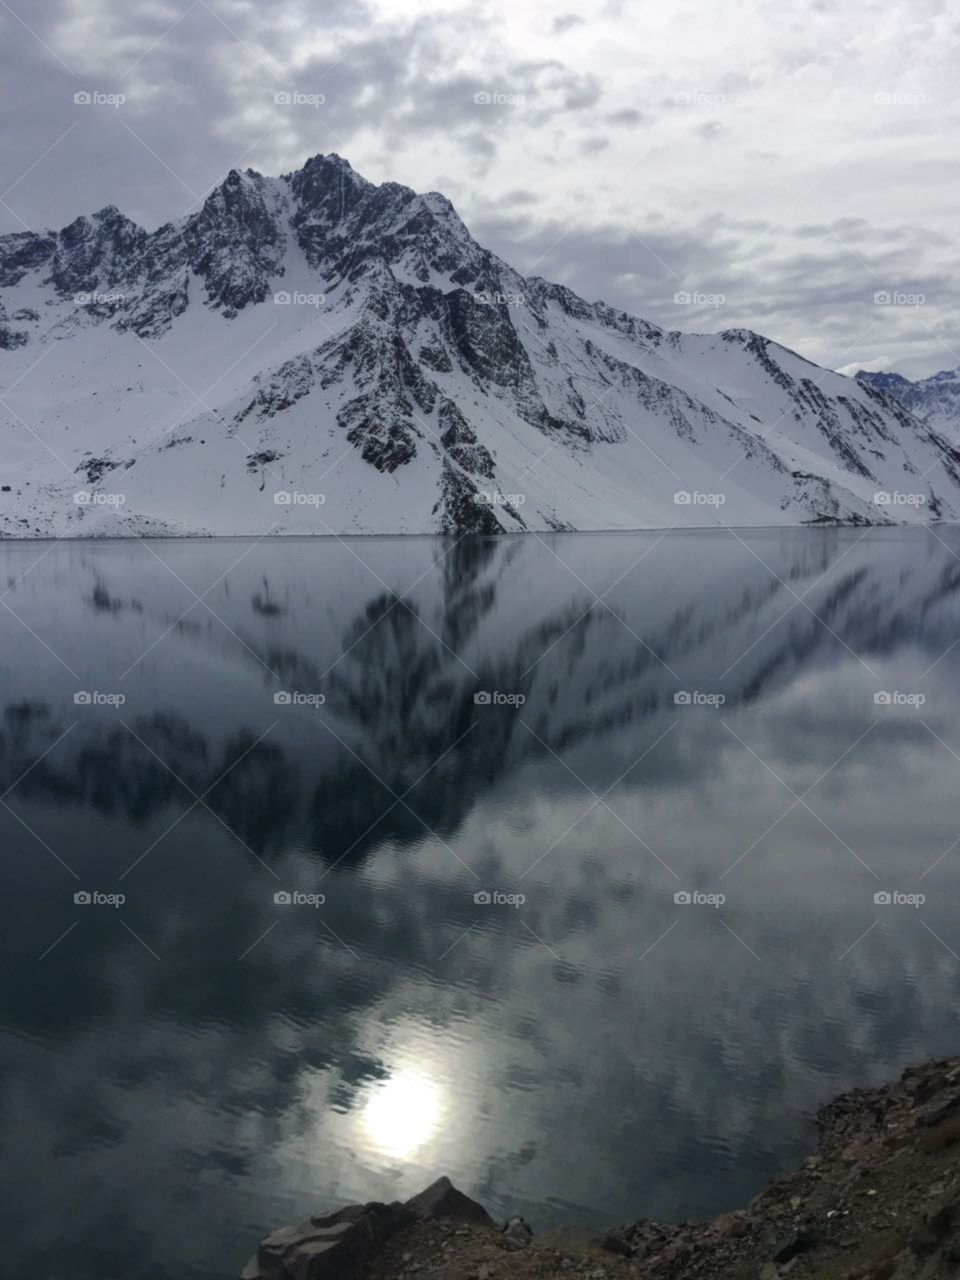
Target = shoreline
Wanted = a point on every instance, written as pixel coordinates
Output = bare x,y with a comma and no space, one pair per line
295,535
878,1199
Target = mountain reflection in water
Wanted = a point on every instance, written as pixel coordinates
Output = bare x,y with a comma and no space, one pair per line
692,713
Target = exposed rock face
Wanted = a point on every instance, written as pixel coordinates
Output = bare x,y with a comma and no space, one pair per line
97,254
24,251
11,338
236,242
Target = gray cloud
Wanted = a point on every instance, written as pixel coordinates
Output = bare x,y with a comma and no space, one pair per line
627,116
565,21
858,199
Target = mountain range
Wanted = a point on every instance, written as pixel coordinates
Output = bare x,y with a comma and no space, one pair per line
315,353
935,400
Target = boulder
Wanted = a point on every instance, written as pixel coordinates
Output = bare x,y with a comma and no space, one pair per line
517,1233
336,1246
442,1200
342,1245
791,1245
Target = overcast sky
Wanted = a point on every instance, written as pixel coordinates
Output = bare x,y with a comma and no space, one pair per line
780,163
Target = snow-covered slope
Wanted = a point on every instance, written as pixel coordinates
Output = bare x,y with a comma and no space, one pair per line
314,353
935,400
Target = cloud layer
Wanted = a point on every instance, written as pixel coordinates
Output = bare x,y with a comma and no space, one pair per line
781,169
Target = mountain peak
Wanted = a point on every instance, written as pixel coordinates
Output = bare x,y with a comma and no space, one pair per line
379,341
330,162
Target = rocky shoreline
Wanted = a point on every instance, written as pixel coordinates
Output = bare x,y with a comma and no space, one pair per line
879,1199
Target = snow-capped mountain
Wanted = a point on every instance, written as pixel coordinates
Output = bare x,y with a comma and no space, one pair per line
935,400
315,353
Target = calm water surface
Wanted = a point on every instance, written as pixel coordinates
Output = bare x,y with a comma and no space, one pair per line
203,1062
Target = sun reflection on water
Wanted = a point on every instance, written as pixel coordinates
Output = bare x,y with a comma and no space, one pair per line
403,1113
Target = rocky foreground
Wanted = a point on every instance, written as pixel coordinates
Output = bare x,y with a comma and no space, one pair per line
878,1200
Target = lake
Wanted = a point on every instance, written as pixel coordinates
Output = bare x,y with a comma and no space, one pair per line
581,868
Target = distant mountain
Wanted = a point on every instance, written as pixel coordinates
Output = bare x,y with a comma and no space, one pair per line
935,400
314,353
